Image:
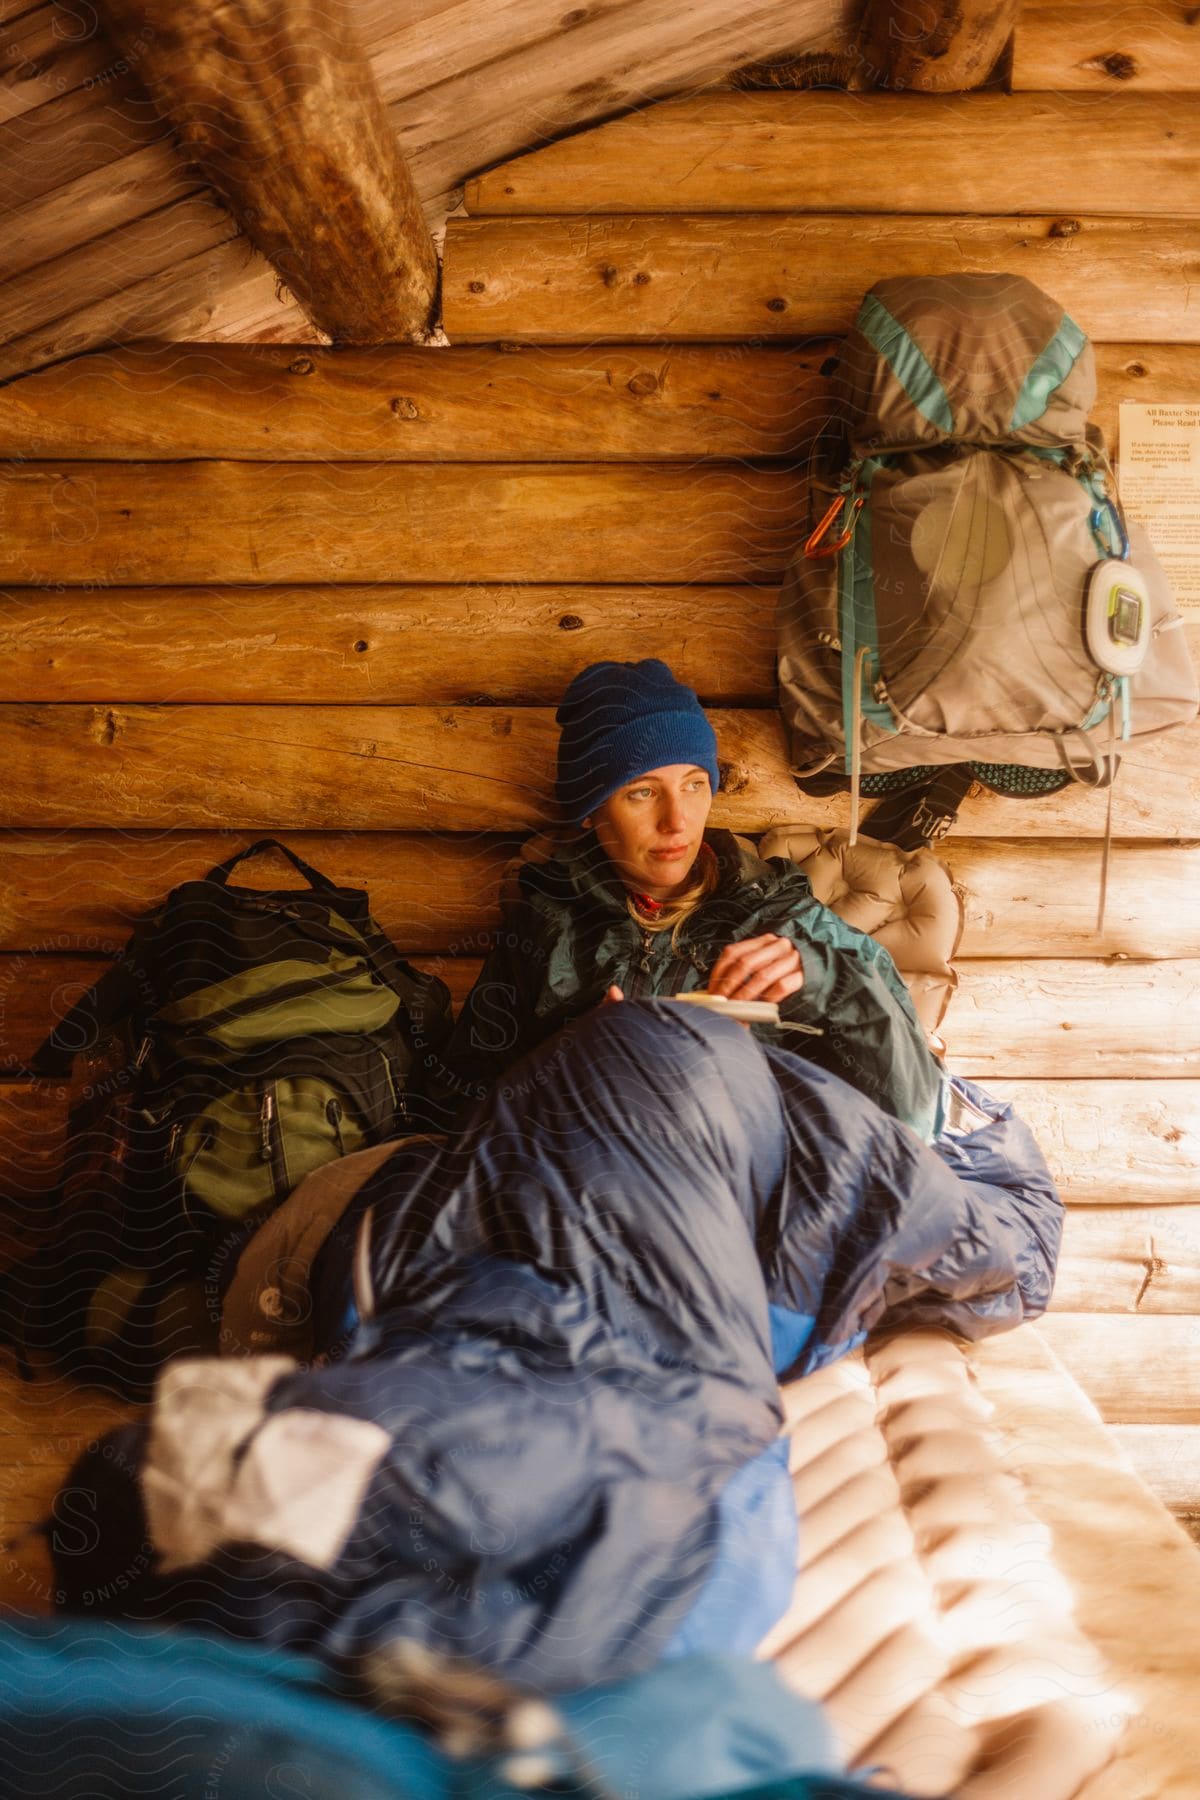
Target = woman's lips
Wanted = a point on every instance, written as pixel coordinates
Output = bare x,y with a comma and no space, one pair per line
670,855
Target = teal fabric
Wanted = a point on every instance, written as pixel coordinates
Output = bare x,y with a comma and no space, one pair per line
1048,372
99,1711
907,362
857,622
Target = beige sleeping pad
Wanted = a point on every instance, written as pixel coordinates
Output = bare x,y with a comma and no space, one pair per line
928,1617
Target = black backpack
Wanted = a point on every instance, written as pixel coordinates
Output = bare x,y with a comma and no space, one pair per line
242,1040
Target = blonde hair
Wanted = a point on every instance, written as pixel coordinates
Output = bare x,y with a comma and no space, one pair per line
706,873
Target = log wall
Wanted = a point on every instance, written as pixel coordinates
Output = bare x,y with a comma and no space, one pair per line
336,595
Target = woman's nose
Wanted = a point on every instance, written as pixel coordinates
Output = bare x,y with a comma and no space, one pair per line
672,817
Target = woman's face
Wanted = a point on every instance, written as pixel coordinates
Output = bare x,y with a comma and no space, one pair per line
652,829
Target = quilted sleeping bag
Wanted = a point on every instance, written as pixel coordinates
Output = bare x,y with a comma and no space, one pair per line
551,1445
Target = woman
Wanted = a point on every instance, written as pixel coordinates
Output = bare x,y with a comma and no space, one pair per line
645,901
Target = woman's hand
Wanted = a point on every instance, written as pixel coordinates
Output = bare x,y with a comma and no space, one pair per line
758,968
612,994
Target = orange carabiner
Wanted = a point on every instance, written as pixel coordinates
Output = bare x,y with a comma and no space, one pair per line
813,545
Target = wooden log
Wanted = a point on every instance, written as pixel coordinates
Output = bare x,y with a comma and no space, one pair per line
427,890
81,892
1024,1037
400,644
120,523
934,46
399,404
1039,898
705,277
1167,1457
259,402
1136,1370
1120,1142
1147,373
382,768
1118,1259
1055,1020
828,152
327,768
277,106
37,991
1151,45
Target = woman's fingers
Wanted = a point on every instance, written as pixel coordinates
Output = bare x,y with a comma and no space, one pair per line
755,967
612,994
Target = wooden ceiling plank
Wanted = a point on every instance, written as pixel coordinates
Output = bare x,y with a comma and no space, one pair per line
600,67
276,105
202,296
1152,45
476,768
110,265
48,52
867,153
103,200
705,277
70,137
934,46
397,403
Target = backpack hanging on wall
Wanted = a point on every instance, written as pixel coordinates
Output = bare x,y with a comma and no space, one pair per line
244,1038
938,612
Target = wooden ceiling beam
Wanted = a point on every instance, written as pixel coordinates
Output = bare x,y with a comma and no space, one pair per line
934,46
276,105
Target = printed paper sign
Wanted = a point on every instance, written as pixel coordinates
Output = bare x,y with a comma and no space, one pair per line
1160,487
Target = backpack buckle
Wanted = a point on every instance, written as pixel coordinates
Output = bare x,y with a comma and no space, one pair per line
815,544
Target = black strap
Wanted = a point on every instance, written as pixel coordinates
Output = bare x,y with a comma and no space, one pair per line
221,873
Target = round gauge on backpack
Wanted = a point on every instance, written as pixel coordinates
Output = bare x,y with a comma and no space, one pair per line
1118,617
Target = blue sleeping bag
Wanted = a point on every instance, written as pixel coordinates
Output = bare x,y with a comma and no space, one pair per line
564,1404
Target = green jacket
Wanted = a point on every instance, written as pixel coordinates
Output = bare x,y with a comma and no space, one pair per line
569,936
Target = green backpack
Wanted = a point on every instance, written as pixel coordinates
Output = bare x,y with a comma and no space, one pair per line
266,1033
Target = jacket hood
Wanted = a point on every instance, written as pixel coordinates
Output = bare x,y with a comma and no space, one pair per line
579,869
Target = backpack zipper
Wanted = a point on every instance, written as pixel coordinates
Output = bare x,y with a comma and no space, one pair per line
272,1141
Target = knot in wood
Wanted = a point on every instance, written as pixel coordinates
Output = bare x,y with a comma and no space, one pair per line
570,622
474,287
734,780
1135,368
502,727
777,304
404,407
641,278
608,274
361,645
303,365
644,382
829,367
1063,228
1118,65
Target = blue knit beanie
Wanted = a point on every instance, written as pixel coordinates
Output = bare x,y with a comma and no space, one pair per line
619,721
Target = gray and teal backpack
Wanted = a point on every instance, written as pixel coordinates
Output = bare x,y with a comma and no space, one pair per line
242,1040
936,612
